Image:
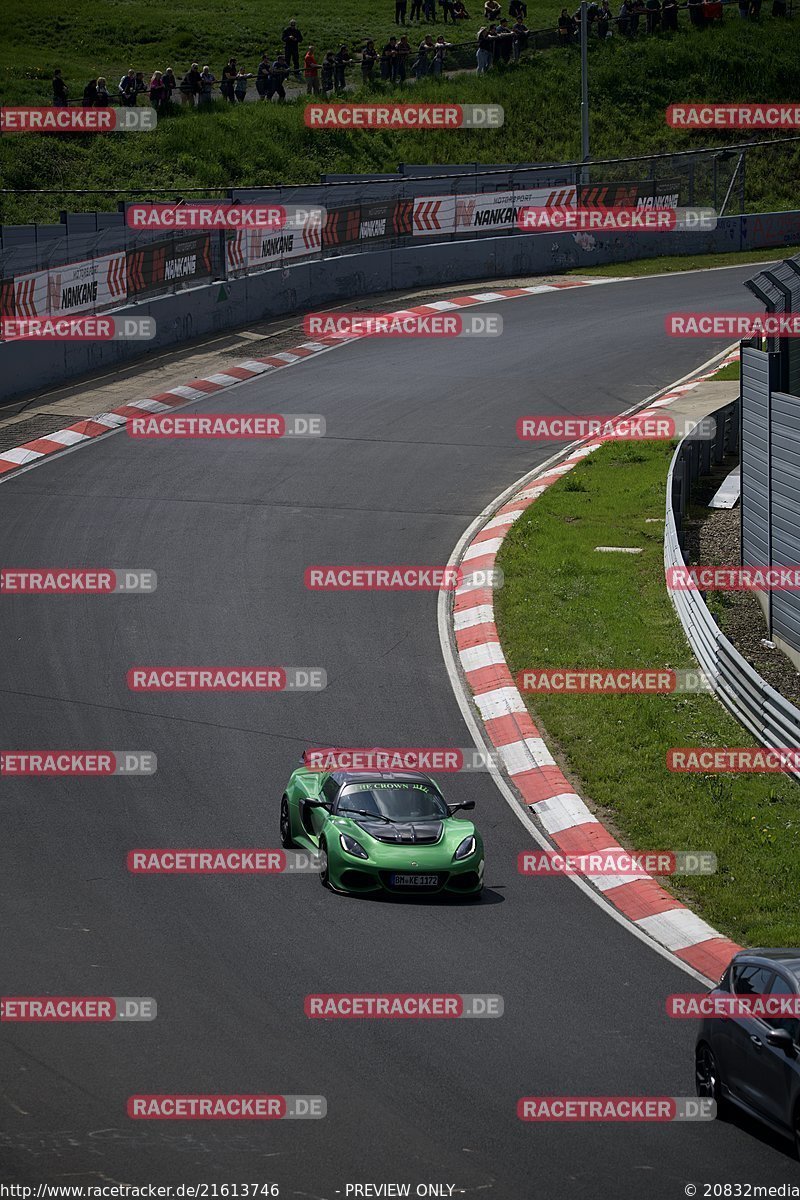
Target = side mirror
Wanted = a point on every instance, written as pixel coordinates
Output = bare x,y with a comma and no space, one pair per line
466,804
782,1039
318,802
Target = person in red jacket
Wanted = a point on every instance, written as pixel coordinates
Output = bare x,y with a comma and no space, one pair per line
311,72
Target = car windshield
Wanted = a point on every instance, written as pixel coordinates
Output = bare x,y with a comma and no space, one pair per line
395,801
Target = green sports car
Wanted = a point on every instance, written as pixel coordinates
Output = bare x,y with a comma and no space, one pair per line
382,831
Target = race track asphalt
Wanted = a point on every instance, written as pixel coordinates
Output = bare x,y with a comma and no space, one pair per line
420,437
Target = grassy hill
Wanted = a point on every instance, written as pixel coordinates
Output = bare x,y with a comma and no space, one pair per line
631,85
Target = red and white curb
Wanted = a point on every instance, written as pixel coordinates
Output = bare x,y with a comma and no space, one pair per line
199,389
540,786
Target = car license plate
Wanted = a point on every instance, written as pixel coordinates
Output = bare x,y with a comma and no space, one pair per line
418,881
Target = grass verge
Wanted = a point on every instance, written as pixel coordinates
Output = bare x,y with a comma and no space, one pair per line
563,605
688,262
258,145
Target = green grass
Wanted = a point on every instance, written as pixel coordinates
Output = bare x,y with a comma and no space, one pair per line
731,372
688,262
563,605
631,85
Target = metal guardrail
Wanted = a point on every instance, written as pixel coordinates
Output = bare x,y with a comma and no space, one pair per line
772,719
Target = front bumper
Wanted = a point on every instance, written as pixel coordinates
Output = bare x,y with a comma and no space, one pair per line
351,874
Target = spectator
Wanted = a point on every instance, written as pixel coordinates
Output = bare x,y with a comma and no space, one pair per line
278,72
103,97
158,92
503,44
491,10
520,32
416,11
483,55
458,12
369,57
518,9
127,89
263,71
441,48
669,14
170,83
190,85
60,94
207,81
429,9
421,64
241,85
141,86
89,94
388,55
695,8
400,7
778,8
291,38
228,81
755,10
311,72
402,51
326,73
604,18
637,11
447,11
653,15
342,60
567,27
624,19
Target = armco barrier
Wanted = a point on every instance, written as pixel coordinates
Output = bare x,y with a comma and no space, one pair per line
772,719
28,367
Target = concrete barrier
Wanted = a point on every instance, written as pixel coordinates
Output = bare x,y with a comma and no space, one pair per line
29,367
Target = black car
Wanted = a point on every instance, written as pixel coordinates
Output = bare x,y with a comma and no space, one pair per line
753,1062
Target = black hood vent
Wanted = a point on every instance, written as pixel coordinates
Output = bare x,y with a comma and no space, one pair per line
406,833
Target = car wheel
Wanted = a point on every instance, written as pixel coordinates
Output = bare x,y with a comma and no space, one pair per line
286,825
323,865
706,1075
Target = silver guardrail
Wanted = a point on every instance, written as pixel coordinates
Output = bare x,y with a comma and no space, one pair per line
769,716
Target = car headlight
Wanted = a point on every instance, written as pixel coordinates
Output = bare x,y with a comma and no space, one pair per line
466,848
352,846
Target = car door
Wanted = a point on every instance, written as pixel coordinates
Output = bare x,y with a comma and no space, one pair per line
770,1072
744,1038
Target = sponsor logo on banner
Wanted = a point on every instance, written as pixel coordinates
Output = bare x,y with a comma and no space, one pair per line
87,286
492,210
162,264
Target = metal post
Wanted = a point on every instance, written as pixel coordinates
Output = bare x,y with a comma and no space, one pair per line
584,90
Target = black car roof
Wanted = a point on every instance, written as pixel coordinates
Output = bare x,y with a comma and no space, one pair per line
786,957
343,777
